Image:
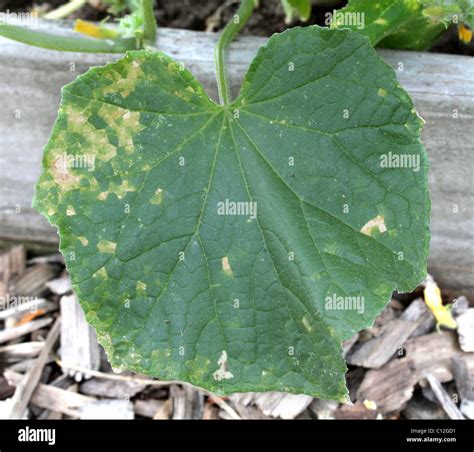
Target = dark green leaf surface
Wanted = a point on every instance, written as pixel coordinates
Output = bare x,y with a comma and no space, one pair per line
239,302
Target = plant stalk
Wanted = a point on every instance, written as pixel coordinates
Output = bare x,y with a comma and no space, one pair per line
149,22
228,34
66,43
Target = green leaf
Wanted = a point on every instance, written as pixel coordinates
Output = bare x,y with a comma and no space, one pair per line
392,23
419,33
302,8
461,11
421,30
180,288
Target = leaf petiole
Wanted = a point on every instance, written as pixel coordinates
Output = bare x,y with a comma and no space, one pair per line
233,27
149,22
66,43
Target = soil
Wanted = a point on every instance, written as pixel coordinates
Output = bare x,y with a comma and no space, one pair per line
212,15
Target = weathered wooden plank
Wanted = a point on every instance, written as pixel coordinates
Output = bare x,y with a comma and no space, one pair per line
152,408
391,386
52,398
442,87
61,285
25,388
418,312
373,353
17,310
188,402
463,370
15,332
377,351
83,353
32,282
323,409
20,351
356,411
276,404
12,265
107,409
420,408
466,330
113,389
443,398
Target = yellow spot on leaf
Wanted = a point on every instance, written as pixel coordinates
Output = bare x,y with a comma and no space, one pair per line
157,198
226,266
75,117
63,176
382,92
306,323
70,211
96,141
101,273
378,222
121,189
123,122
83,240
104,246
124,84
222,373
103,196
141,286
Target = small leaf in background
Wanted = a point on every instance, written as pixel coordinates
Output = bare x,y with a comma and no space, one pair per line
300,8
236,246
460,11
131,26
404,24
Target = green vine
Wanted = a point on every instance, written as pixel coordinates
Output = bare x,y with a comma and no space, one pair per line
232,28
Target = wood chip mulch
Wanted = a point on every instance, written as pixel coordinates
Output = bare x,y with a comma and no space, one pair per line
402,367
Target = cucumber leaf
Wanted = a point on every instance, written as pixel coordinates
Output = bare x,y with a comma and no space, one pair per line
234,247
403,24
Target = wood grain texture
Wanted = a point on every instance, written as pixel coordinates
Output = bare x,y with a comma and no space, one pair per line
83,353
52,398
442,87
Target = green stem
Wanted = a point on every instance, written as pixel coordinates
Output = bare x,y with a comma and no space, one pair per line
65,43
66,9
228,34
149,22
